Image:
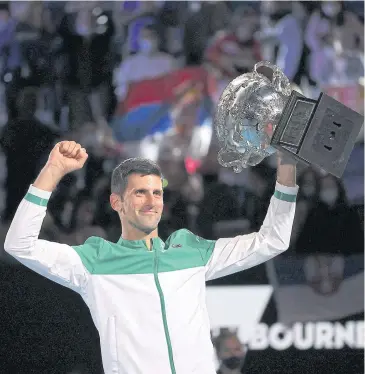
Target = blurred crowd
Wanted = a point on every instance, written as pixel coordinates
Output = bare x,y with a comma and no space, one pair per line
65,66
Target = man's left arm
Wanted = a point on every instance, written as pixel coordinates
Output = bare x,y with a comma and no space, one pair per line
228,256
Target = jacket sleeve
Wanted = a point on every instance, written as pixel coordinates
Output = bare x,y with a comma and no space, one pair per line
228,256
57,262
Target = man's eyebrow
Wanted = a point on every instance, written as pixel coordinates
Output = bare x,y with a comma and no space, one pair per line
142,189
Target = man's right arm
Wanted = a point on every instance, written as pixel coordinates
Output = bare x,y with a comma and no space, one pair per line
58,262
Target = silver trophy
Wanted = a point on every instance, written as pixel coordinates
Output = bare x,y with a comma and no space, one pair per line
259,113
248,110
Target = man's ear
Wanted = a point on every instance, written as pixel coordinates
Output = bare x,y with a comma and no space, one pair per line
116,202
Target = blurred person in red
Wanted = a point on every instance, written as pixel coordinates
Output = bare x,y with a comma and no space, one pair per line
234,52
182,147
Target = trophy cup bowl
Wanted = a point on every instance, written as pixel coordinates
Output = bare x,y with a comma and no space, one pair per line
248,111
259,113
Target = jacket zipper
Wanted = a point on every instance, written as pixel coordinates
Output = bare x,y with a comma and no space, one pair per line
163,309
115,369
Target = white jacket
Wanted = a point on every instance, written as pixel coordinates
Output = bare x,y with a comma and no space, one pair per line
149,306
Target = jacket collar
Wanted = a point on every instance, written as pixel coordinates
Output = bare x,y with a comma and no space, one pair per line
140,244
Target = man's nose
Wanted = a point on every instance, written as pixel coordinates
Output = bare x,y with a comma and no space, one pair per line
150,199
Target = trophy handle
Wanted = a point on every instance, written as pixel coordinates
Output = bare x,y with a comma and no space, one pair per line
241,162
272,72
235,164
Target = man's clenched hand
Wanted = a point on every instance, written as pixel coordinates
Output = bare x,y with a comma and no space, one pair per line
65,157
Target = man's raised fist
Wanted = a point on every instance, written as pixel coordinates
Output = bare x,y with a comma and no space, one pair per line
67,156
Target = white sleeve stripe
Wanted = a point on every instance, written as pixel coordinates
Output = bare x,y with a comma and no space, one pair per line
39,193
286,189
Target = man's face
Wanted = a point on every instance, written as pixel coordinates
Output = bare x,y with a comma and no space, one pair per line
142,202
232,354
231,347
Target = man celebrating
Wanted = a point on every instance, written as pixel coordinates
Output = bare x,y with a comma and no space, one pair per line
146,297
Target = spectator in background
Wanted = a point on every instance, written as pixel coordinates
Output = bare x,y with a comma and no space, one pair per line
181,148
82,225
40,48
286,33
104,215
25,140
331,28
224,208
203,20
26,12
86,38
230,352
10,58
147,63
235,51
175,213
132,18
171,22
308,182
332,226
52,66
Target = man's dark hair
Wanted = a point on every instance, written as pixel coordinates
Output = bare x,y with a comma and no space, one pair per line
130,166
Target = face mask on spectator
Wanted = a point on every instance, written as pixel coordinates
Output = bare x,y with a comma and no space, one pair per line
147,46
329,196
232,363
330,10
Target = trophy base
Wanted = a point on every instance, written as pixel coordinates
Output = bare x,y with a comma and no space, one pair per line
321,132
